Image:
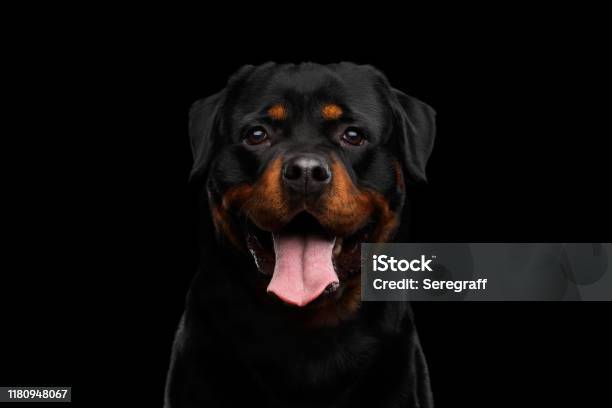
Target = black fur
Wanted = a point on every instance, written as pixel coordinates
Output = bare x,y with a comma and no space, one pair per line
232,349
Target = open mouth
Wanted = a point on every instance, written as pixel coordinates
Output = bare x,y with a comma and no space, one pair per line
303,260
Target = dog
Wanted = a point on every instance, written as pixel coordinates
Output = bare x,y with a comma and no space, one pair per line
295,165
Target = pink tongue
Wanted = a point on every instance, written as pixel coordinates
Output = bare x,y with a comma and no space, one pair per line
303,268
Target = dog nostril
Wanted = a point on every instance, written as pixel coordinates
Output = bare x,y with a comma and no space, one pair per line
320,173
292,172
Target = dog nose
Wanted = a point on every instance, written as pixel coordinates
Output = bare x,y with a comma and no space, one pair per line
306,174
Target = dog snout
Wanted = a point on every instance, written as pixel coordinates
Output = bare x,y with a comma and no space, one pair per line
306,174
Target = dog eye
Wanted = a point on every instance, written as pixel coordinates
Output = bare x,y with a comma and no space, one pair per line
256,135
353,136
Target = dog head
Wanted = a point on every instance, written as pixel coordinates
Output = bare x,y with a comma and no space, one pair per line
302,163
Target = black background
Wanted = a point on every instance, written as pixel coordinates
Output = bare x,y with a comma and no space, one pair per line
99,220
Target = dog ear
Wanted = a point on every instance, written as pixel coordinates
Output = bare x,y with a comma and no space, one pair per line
203,128
416,126
205,122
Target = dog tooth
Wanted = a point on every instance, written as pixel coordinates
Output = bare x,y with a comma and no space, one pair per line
337,247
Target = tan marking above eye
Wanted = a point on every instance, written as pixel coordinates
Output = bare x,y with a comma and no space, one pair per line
277,112
331,111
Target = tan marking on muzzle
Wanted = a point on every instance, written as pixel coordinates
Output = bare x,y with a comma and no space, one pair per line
348,208
262,202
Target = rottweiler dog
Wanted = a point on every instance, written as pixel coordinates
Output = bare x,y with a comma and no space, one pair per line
296,165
